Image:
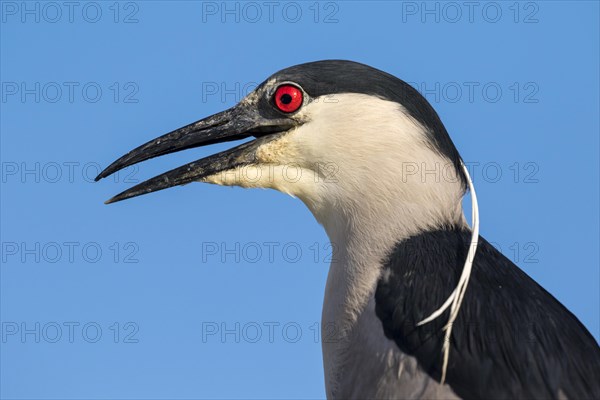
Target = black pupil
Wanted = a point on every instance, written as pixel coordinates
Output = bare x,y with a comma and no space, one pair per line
286,98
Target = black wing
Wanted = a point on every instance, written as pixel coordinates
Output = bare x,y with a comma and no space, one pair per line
512,339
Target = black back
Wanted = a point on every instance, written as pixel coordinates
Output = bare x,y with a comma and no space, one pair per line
512,339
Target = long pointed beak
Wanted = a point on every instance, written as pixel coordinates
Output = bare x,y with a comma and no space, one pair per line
236,123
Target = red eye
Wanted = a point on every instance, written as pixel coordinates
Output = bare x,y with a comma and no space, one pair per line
288,98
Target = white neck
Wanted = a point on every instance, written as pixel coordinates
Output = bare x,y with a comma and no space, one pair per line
396,200
361,244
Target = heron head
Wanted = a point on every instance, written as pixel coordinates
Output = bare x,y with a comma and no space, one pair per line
331,133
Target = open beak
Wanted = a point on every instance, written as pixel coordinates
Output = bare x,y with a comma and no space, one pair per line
239,122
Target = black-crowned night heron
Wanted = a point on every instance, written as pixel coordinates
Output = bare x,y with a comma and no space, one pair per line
401,321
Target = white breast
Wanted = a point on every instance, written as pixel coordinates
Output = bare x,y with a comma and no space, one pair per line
360,362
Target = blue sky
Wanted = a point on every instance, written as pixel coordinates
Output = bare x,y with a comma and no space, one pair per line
211,292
